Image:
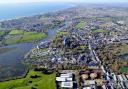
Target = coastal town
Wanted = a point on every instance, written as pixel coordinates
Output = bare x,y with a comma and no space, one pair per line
75,53
88,51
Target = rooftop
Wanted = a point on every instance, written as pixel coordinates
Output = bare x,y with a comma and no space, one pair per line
67,84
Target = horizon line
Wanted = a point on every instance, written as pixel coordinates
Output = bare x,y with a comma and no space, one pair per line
76,2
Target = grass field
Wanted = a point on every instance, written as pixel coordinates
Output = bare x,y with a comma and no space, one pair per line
43,81
81,25
16,32
124,69
12,39
3,32
19,36
99,31
105,19
60,34
82,46
30,36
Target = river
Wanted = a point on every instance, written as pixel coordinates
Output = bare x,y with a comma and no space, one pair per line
12,55
10,60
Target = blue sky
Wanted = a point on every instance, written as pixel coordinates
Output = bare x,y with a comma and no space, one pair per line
87,1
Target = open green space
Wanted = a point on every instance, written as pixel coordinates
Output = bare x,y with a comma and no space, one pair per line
105,19
13,39
16,32
41,81
19,36
83,46
124,69
60,34
99,31
30,36
3,32
81,25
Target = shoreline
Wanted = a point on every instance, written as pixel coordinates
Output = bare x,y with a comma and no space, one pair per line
37,14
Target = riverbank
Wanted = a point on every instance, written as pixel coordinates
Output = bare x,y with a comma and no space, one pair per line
10,61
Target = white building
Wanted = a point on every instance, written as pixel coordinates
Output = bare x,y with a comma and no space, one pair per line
65,80
60,79
67,84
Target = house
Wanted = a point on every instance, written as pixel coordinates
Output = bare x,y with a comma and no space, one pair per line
60,79
66,75
65,80
67,85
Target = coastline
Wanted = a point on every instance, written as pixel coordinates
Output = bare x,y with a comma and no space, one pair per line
41,13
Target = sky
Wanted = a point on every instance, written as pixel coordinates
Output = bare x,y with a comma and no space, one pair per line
86,1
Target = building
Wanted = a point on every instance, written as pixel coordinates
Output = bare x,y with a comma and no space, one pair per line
60,79
65,80
67,85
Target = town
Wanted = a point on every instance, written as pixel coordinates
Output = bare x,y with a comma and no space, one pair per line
89,50
75,53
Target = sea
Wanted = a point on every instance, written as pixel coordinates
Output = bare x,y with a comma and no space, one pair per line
12,11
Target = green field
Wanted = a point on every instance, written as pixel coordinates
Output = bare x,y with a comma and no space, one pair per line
16,32
105,19
19,36
60,34
12,39
124,69
99,31
82,46
43,81
3,32
81,25
30,36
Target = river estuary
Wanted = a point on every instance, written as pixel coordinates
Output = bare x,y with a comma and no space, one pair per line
10,61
